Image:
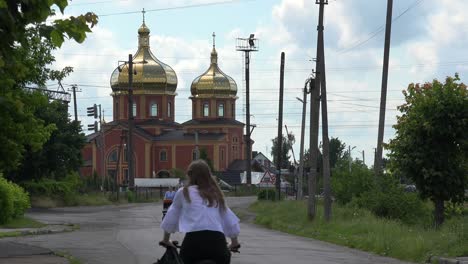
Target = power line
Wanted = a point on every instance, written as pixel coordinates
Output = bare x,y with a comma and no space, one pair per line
175,7
380,29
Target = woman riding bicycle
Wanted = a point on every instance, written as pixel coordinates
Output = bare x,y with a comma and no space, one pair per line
199,210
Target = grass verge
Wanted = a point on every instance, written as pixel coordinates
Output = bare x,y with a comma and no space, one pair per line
70,258
23,222
10,234
358,228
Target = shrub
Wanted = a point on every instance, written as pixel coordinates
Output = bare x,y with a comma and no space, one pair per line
131,198
389,200
268,194
346,185
13,200
49,187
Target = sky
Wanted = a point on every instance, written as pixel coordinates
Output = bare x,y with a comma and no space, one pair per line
428,41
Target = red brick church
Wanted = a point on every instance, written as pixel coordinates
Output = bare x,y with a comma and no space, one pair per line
160,143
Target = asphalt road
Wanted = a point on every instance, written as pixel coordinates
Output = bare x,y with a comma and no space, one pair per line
129,234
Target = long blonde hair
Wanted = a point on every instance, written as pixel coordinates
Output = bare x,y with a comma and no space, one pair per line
199,174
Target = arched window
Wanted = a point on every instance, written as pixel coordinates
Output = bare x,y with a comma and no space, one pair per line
169,109
206,109
221,110
134,109
154,109
112,156
116,111
163,155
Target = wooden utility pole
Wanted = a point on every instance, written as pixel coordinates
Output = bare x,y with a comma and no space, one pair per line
301,151
313,143
383,95
280,126
325,139
74,89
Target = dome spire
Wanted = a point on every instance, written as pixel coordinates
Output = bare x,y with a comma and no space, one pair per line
214,54
143,33
214,40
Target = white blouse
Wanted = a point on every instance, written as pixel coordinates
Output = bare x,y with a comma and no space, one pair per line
185,217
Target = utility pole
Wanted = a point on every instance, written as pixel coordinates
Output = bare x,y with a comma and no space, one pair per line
363,158
280,126
74,89
313,143
247,45
325,139
301,151
197,151
383,95
131,171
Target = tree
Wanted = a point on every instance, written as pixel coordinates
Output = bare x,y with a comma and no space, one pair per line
25,53
431,143
204,156
287,143
336,151
61,154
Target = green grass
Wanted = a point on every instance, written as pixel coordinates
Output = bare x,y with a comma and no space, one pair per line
71,259
358,228
10,234
22,222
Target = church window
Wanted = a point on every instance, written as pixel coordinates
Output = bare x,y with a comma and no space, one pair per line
134,109
221,110
206,110
154,109
222,154
116,112
113,156
163,155
169,109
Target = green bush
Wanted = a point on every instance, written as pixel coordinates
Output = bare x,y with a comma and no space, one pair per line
346,185
268,194
131,198
53,188
13,200
390,201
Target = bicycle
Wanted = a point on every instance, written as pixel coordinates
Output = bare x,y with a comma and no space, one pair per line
172,254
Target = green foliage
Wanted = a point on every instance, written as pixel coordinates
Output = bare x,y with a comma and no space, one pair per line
454,210
61,153
55,188
204,156
25,55
389,200
286,145
13,200
131,197
336,151
431,143
268,194
23,222
346,185
358,228
178,173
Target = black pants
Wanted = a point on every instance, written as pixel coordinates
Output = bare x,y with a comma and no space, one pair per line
205,245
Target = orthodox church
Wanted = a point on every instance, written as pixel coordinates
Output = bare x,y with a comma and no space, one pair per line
161,144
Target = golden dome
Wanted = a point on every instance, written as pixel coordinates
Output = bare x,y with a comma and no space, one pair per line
214,82
152,75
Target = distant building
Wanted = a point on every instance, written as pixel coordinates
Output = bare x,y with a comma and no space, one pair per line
160,143
262,159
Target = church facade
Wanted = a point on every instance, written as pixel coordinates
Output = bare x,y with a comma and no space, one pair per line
160,143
